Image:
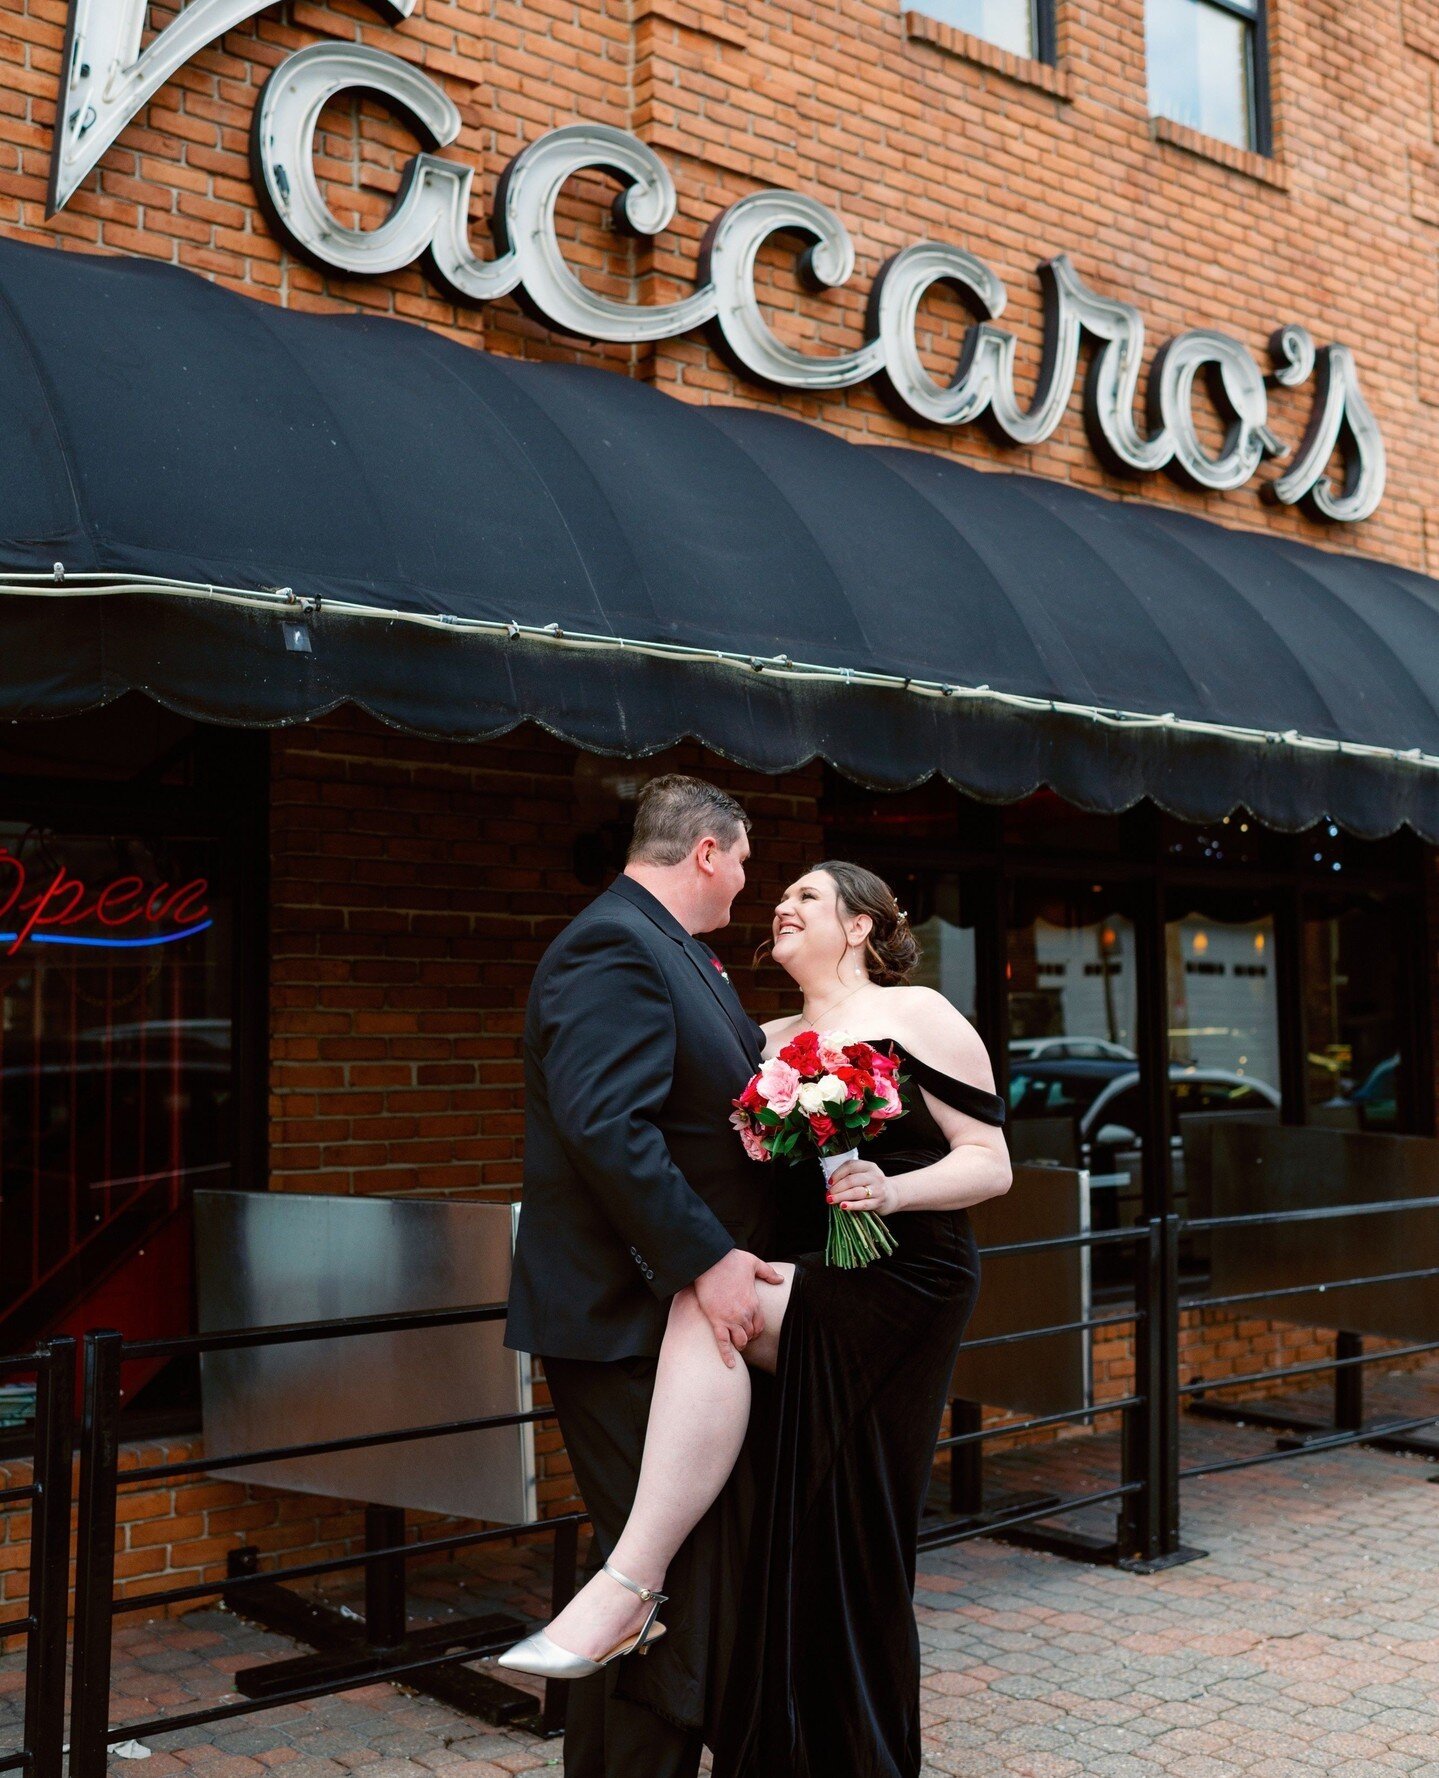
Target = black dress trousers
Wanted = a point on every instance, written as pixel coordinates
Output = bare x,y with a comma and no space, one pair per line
645,1716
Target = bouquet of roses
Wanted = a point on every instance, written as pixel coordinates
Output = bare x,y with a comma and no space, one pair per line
825,1093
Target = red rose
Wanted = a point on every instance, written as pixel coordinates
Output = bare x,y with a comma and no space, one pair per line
857,1082
749,1099
822,1126
802,1053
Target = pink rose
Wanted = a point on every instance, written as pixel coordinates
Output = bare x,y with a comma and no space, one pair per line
778,1086
832,1046
750,1137
883,1062
889,1092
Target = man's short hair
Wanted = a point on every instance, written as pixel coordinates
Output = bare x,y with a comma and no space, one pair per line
674,813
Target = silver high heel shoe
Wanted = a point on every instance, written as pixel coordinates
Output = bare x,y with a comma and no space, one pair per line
538,1655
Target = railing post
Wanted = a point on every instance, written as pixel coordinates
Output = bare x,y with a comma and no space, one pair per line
1167,1367
95,1554
1149,1519
966,1462
1140,1513
1349,1382
50,1558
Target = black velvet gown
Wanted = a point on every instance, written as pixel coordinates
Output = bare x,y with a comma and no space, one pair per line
824,1676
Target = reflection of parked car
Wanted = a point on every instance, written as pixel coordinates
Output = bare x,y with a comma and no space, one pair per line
1103,1099
197,1039
1108,1127
1069,1049
1047,1087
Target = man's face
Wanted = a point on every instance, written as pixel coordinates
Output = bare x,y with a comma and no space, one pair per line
726,878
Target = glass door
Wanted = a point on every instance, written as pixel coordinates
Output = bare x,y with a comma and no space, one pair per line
1221,956
1354,1013
1071,968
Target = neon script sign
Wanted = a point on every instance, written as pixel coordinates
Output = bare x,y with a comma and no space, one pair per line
108,78
130,913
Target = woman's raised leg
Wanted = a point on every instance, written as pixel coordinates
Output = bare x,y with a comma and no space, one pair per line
698,1415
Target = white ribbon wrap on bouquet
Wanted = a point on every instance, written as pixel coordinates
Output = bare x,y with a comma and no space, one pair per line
832,1161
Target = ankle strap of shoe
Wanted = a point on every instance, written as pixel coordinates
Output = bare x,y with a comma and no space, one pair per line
645,1593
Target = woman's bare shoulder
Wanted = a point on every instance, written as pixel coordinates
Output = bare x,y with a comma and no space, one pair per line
939,1033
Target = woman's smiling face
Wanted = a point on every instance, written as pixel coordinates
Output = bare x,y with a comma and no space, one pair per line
810,926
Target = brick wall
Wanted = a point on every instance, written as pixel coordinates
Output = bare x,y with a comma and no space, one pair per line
414,888
911,131
415,884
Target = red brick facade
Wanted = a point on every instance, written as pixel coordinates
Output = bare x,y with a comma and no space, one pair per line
414,884
414,888
910,129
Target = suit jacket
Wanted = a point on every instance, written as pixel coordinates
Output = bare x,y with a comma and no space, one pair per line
634,1181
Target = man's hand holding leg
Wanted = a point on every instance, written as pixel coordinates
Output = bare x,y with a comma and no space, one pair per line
730,1302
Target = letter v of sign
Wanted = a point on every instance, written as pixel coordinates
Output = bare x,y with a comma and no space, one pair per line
106,78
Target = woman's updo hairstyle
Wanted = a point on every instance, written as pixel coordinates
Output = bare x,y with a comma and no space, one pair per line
891,950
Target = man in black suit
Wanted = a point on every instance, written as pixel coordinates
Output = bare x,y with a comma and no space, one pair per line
635,1185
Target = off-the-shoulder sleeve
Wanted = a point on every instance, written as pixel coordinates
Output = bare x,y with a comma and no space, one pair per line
974,1102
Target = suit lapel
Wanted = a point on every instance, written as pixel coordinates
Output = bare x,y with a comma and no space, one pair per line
638,896
723,991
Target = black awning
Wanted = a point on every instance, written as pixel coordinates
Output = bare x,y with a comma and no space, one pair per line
491,541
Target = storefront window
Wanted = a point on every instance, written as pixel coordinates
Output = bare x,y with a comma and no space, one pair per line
115,1074
1223,1008
1072,1015
1202,57
1354,1067
1009,24
1223,1036
1073,996
946,937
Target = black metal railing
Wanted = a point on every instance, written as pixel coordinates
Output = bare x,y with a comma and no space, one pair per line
1147,1494
1348,1425
43,1628
355,1656
1146,1497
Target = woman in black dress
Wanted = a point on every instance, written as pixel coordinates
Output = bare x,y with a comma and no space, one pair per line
824,1674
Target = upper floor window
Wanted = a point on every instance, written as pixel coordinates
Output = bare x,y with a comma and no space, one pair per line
1206,68
1020,26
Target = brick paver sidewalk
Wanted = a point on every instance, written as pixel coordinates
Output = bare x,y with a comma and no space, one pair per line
1306,1642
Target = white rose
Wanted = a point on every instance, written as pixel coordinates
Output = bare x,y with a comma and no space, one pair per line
832,1090
811,1097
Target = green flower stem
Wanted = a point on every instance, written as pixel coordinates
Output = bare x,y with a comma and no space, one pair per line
856,1238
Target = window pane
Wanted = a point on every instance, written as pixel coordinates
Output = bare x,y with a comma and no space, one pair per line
946,937
1071,1012
1351,1006
1200,60
1007,23
1223,1009
1073,1000
1223,1035
115,1070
